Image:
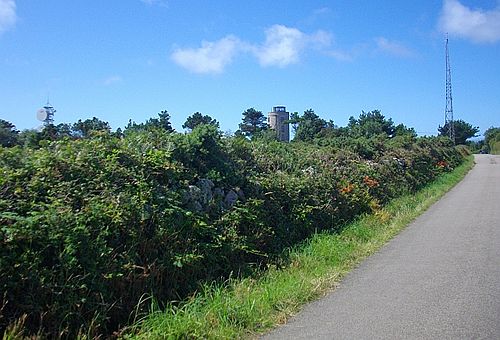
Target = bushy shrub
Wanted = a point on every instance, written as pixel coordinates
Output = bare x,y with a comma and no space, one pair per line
90,227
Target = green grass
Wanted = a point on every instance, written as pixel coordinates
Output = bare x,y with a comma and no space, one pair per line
249,307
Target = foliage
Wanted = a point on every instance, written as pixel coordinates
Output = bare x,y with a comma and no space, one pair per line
30,138
477,146
91,226
372,123
309,125
253,122
463,131
50,132
266,135
86,128
162,122
237,308
294,121
492,134
198,119
402,130
492,140
8,134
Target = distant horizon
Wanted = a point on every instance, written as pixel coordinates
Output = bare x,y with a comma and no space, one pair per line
183,130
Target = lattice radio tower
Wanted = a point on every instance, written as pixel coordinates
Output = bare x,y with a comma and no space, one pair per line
46,114
448,112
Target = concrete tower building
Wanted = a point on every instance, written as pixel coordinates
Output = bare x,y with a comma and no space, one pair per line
277,120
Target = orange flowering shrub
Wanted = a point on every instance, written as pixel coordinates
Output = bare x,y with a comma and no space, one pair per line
370,182
347,189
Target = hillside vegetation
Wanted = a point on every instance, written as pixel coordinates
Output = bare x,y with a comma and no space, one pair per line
93,226
492,140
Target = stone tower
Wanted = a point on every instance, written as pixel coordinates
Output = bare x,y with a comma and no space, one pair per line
277,120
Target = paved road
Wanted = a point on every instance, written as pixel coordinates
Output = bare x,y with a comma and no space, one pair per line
438,279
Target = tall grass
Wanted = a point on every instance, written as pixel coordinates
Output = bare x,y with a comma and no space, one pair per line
251,306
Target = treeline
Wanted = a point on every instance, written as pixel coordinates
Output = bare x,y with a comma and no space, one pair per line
10,136
95,223
306,127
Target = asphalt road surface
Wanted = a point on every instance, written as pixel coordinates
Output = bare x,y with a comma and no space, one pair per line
438,279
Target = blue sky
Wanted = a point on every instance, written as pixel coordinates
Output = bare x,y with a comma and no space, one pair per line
130,59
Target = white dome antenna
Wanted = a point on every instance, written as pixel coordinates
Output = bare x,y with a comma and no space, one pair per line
46,114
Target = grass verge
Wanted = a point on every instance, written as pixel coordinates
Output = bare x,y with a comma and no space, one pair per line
251,306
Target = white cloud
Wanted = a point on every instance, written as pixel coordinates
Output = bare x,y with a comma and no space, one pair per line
317,15
211,57
322,10
7,14
284,45
478,25
392,47
340,55
162,3
112,80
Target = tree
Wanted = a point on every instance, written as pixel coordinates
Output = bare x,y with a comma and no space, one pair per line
492,134
118,133
49,132
162,122
8,134
463,131
89,126
30,137
403,130
492,140
294,121
371,124
267,135
64,130
309,126
198,119
253,122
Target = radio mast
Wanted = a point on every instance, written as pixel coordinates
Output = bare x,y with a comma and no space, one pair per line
46,114
448,113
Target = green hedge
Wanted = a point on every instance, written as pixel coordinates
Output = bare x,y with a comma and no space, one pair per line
89,228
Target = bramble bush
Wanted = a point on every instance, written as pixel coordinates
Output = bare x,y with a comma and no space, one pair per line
91,227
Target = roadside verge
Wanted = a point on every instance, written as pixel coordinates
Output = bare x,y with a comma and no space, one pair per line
248,307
